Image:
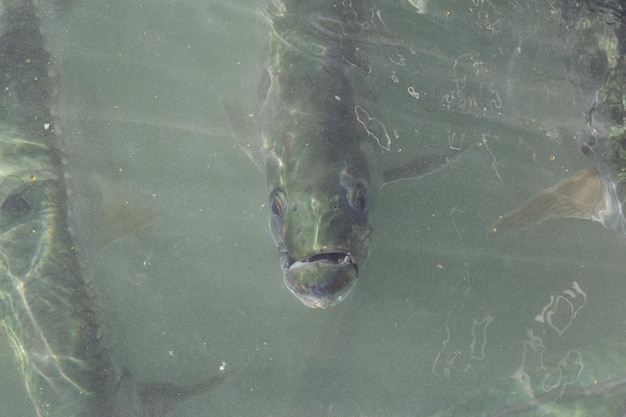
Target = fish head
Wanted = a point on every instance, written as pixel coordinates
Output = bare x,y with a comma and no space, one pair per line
321,220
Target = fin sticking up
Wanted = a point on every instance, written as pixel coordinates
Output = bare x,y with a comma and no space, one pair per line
583,196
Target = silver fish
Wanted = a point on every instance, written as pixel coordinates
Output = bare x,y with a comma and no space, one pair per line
595,44
319,146
47,309
585,382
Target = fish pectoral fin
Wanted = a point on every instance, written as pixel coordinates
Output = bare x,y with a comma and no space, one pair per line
158,399
244,131
124,215
583,196
421,165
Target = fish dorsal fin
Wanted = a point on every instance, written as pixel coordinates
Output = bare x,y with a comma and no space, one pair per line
421,165
244,131
582,196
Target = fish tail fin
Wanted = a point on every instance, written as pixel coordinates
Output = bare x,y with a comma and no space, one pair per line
583,196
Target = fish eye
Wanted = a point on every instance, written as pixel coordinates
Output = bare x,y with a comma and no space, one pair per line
277,205
358,199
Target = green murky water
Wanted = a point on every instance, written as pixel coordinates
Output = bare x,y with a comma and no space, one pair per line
441,311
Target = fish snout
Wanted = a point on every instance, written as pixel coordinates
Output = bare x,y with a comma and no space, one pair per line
322,279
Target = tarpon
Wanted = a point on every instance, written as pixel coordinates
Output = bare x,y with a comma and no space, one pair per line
595,44
46,306
316,138
580,382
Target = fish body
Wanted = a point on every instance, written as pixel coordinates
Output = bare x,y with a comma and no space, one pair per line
579,383
316,139
47,309
320,165
595,48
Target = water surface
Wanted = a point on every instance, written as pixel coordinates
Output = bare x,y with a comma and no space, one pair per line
441,310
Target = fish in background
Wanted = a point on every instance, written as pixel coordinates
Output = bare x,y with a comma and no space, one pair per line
594,36
585,382
315,138
47,309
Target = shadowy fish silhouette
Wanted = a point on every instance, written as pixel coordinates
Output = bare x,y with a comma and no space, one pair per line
581,382
47,309
595,43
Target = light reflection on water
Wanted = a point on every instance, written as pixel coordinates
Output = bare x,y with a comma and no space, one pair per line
442,310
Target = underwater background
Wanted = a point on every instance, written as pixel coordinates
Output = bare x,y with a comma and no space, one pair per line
442,313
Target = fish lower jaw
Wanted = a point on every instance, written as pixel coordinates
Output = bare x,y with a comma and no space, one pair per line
320,280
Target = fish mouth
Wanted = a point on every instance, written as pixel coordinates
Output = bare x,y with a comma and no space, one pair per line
322,279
